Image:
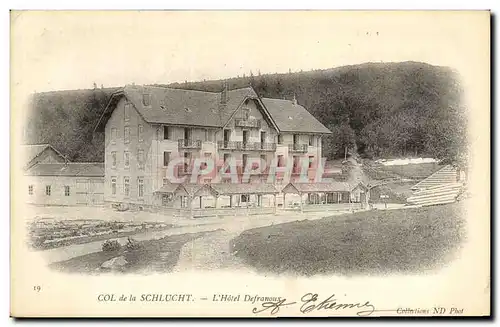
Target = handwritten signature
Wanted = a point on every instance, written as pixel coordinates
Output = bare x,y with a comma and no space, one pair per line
309,302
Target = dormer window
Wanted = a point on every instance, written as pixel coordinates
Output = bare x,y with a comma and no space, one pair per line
126,113
187,109
146,99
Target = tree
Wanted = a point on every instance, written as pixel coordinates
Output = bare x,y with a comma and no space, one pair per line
342,138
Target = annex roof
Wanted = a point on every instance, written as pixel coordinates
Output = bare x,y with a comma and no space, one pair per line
318,187
84,169
31,151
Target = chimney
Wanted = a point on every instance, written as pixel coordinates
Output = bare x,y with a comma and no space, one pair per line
294,100
223,95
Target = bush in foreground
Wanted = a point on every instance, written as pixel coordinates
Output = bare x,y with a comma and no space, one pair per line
111,245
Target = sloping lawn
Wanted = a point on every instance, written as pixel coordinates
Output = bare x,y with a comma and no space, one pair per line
370,242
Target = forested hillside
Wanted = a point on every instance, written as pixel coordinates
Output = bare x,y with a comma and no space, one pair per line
66,120
377,109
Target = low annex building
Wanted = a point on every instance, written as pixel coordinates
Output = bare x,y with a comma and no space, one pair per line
50,179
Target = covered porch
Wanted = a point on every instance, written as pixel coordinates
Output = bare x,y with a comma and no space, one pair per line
222,199
327,196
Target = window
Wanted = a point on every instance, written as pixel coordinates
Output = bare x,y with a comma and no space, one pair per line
184,201
311,140
47,190
280,139
187,161
227,135
126,186
245,137
208,135
113,159
263,160
126,113
227,157
140,132
296,164
207,157
66,190
113,185
126,159
113,135
187,133
30,189
165,181
245,198
140,187
126,134
166,198
311,161
295,139
246,113
166,158
146,99
339,197
281,160
166,135
140,158
245,160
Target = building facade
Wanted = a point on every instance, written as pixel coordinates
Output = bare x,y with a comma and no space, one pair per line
156,137
65,184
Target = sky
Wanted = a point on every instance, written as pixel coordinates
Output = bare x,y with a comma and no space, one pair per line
72,50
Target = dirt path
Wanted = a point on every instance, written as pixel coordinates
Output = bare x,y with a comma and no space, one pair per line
357,174
213,251
209,253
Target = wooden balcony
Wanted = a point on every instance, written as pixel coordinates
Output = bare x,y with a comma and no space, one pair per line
246,146
248,123
189,144
297,148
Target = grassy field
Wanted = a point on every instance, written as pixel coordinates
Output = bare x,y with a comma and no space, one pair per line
410,171
152,255
371,242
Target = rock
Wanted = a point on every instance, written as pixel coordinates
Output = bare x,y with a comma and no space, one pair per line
117,263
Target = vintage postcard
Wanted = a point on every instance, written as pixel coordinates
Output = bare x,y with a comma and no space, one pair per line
250,163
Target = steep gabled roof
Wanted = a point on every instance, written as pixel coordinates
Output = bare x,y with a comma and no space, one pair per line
179,106
83,169
200,108
31,151
292,117
176,106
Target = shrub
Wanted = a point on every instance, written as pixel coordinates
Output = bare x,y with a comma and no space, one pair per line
132,244
38,241
111,245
